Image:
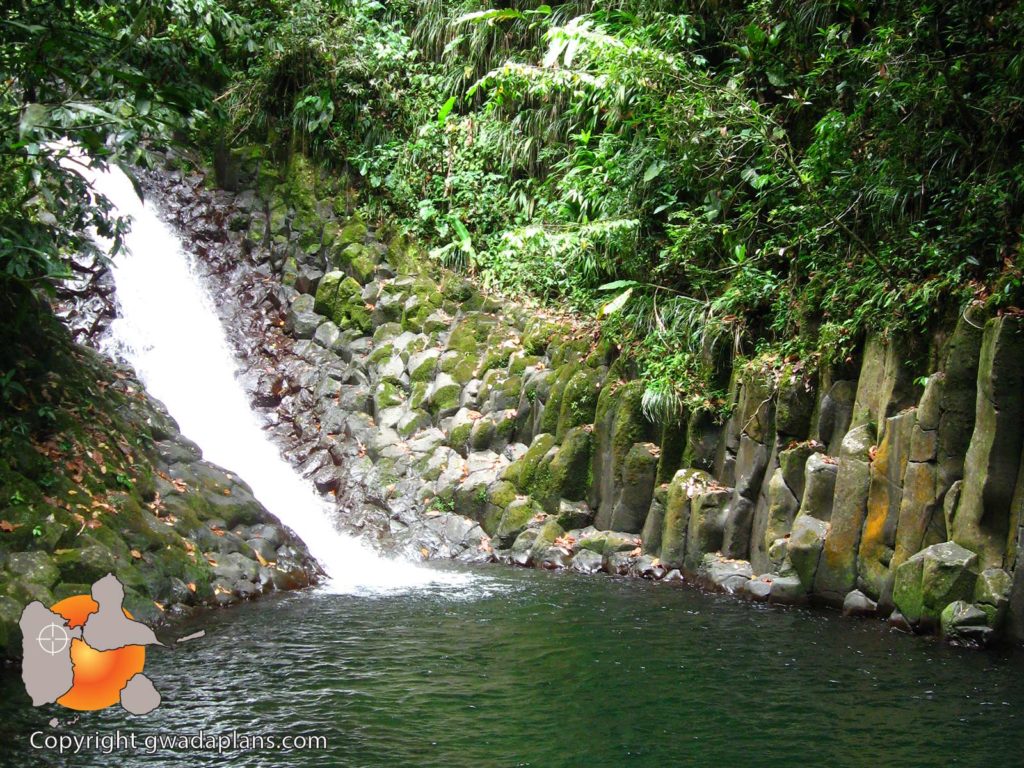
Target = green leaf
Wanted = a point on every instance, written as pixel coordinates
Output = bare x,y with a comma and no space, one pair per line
446,110
618,284
32,116
491,16
617,303
653,170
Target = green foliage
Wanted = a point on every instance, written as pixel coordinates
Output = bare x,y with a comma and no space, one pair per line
89,82
756,174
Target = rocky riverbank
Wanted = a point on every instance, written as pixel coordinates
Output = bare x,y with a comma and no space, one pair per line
450,425
96,478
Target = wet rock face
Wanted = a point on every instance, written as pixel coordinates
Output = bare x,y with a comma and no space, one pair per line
445,424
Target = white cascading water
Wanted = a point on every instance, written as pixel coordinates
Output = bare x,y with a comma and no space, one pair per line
169,331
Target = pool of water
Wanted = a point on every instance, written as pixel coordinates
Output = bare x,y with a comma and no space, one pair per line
526,668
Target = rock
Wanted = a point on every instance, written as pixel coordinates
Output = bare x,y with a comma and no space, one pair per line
422,365
932,579
966,624
885,496
837,570
327,335
654,523
648,567
587,561
992,594
758,589
412,421
804,547
638,471
725,574
819,483
705,528
86,565
788,590
339,297
993,459
579,400
685,485
35,566
795,398
781,508
522,548
886,382
443,396
856,603
514,520
619,424
574,514
793,463
562,474
835,414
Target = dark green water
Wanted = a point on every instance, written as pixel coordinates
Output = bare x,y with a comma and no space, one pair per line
525,668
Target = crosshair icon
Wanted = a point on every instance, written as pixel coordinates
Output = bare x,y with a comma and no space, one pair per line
53,639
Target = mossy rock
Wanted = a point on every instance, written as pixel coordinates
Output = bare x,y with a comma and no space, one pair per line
358,260
515,519
519,362
566,475
470,332
523,471
339,297
538,335
499,495
386,332
381,354
87,564
10,631
579,400
460,365
354,231
932,579
387,395
553,403
444,395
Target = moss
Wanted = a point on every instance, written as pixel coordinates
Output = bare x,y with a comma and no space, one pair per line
579,400
353,232
630,425
358,260
566,475
553,404
339,297
459,436
527,466
514,520
381,354
499,496
519,362
672,444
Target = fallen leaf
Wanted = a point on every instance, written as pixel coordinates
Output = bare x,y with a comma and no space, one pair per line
8,527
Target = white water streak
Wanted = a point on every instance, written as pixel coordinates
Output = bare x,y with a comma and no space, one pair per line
169,331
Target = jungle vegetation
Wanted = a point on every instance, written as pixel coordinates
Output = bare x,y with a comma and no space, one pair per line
767,177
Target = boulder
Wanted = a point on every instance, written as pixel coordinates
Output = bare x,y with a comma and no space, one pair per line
932,579
965,624
856,603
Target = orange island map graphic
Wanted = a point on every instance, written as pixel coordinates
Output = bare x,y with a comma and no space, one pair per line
87,653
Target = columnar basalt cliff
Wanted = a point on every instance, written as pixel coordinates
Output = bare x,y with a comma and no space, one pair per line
889,485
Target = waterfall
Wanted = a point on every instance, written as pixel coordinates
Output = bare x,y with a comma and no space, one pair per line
169,331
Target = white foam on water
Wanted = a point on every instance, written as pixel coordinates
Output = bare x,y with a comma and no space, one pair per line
169,331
